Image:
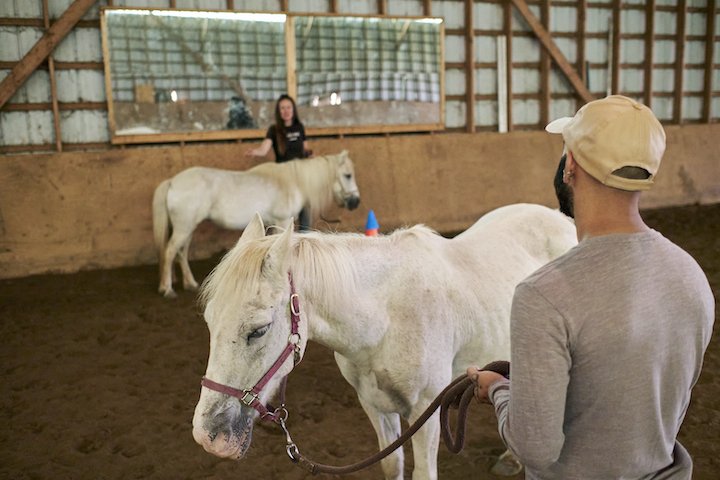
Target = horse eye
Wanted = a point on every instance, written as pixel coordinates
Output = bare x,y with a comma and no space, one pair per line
348,176
259,332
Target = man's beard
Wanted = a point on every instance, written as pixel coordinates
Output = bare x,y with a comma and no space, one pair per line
563,192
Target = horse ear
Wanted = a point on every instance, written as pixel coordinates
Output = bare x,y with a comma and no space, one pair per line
277,260
254,230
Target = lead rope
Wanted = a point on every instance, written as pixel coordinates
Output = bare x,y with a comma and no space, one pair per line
456,395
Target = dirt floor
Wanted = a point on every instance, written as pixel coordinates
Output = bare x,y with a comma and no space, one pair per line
100,376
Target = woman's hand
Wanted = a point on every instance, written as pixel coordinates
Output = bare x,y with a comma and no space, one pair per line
483,379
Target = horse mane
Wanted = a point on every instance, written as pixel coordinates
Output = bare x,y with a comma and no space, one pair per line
313,176
323,263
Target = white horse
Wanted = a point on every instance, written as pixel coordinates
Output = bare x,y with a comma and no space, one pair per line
278,191
404,313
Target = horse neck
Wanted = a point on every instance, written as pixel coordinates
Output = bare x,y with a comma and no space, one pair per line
314,177
339,292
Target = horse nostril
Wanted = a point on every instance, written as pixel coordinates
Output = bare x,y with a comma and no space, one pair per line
352,202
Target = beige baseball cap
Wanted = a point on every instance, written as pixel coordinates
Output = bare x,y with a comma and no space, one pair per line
609,134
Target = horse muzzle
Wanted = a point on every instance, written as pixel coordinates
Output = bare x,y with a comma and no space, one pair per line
225,436
351,202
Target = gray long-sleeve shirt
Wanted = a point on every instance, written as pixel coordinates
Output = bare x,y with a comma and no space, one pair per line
606,343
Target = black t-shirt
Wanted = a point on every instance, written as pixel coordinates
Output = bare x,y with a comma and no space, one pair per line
294,142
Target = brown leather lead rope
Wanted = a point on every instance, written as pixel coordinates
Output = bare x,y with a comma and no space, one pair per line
456,395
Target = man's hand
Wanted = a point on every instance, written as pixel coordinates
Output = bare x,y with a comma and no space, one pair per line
483,379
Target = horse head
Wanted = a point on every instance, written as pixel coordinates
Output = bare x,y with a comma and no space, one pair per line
345,190
247,311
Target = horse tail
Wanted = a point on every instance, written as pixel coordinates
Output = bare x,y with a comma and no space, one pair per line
161,219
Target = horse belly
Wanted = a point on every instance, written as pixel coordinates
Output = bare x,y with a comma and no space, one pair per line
234,211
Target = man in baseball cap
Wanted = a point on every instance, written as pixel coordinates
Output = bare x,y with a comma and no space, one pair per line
607,341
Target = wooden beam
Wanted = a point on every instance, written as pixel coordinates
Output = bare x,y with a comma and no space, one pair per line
507,28
547,42
333,6
53,84
545,67
382,7
649,51
679,60
42,48
581,27
709,59
616,28
427,9
283,5
469,68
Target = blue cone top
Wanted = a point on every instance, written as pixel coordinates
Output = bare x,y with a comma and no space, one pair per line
372,223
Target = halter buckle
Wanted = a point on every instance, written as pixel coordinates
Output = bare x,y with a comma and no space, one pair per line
249,394
293,309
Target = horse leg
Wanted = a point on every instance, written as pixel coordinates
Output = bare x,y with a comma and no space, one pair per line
387,427
166,272
177,240
425,444
189,282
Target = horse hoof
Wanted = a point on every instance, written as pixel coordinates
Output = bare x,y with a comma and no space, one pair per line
191,286
169,294
506,466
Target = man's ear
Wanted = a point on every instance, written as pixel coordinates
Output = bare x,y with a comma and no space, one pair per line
570,163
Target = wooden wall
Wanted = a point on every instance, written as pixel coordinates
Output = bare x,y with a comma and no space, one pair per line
63,212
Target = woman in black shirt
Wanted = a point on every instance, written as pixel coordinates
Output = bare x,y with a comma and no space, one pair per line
286,136
287,139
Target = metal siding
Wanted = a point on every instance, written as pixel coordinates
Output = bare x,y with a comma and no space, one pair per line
663,107
20,9
201,4
563,19
664,51
665,22
485,81
525,80
693,80
313,6
488,16
695,51
663,80
632,21
80,45
454,114
525,112
562,107
632,51
413,8
486,113
692,108
597,20
454,48
454,82
568,47
485,49
559,82
80,85
525,49
83,126
631,80
357,6
452,11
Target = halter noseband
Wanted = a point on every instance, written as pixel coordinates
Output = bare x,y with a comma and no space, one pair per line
250,397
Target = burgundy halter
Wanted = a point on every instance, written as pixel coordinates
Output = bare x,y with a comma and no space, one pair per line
250,397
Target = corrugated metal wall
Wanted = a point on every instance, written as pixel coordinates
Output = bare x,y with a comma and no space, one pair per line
538,90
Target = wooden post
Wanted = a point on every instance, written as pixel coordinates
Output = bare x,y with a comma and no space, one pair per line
649,51
615,80
709,63
545,68
679,61
469,68
580,64
42,48
507,29
53,84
